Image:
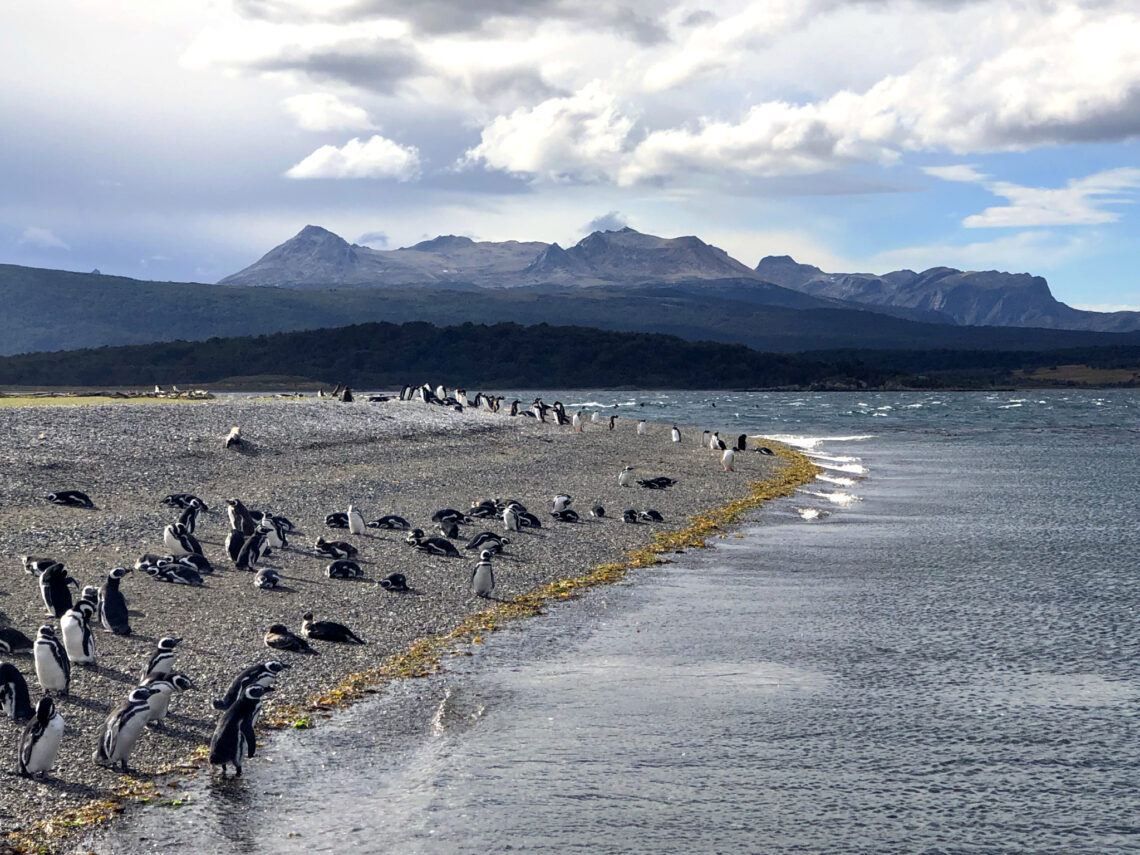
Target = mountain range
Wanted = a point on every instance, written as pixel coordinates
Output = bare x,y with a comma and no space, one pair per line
317,258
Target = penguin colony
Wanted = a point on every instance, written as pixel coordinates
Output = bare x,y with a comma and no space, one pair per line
67,642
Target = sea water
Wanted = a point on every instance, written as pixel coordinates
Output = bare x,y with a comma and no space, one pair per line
932,648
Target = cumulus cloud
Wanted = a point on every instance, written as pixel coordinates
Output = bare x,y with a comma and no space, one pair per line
610,222
376,240
323,111
41,238
378,157
1079,203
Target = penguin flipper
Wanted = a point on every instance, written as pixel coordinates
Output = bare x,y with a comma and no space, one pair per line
250,739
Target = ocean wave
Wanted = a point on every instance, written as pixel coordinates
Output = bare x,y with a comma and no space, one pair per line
812,513
853,468
808,443
838,481
831,458
839,497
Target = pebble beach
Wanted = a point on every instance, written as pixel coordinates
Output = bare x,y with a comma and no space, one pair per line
303,459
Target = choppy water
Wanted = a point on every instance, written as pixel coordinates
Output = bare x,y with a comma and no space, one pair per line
944,660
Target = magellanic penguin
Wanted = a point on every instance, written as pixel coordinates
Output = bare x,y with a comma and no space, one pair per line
742,442
576,421
123,727
327,630
261,674
266,579
15,702
233,438
487,540
235,540
727,460
641,428
595,417
391,522
612,422
189,516
40,741
251,551
355,521
431,545
561,502
483,576
53,668
53,589
71,499
233,738
625,476
179,541
279,637
113,605
335,548
343,568
75,630
164,687
716,443
510,518
162,660
239,517
675,434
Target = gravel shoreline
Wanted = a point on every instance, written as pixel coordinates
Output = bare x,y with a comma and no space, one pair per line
304,459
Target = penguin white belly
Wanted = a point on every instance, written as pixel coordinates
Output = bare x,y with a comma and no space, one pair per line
126,737
355,522
483,580
173,543
46,749
159,704
51,676
77,641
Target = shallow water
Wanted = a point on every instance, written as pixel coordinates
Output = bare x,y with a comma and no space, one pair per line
945,662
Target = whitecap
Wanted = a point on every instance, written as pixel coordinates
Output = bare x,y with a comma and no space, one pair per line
855,468
812,513
1009,406
839,497
831,458
808,443
838,481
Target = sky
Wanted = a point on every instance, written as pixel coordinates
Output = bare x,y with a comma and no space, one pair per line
181,140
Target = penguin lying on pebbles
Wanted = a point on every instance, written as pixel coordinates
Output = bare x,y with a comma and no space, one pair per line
394,582
660,483
763,450
39,744
391,522
449,529
487,540
344,569
327,630
449,515
266,579
262,674
13,641
183,500
71,499
567,515
233,738
339,519
335,548
15,702
650,515
629,516
431,545
279,637
597,511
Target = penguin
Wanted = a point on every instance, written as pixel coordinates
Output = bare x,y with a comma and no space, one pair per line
568,515
233,438
625,476
576,421
485,510
355,521
39,744
53,589
597,511
233,738
251,551
727,460
431,545
394,582
71,499
742,442
15,702
595,417
483,576
123,727
235,540
528,520
266,579
629,516
449,530
659,483
182,500
487,540
197,561
327,630
650,515
675,434
175,572
279,637
53,668
13,641
75,630
449,515
390,521
113,605
612,422
164,687
338,519
335,548
510,518
273,532
344,569
262,674
162,660
641,428
189,517
240,517
179,541
561,502
716,443
763,450
36,566
705,437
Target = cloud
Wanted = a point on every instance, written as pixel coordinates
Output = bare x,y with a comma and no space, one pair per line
611,222
376,240
323,111
1078,203
41,238
373,64
1106,307
1039,249
379,157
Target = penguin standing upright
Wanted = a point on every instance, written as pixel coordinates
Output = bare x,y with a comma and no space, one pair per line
40,741
233,738
75,630
261,674
355,521
162,660
576,422
240,517
742,442
251,551
612,422
727,460
189,516
705,436
510,518
235,540
15,702
53,668
625,476
675,434
113,605
483,576
164,687
123,727
595,417
641,428
53,589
